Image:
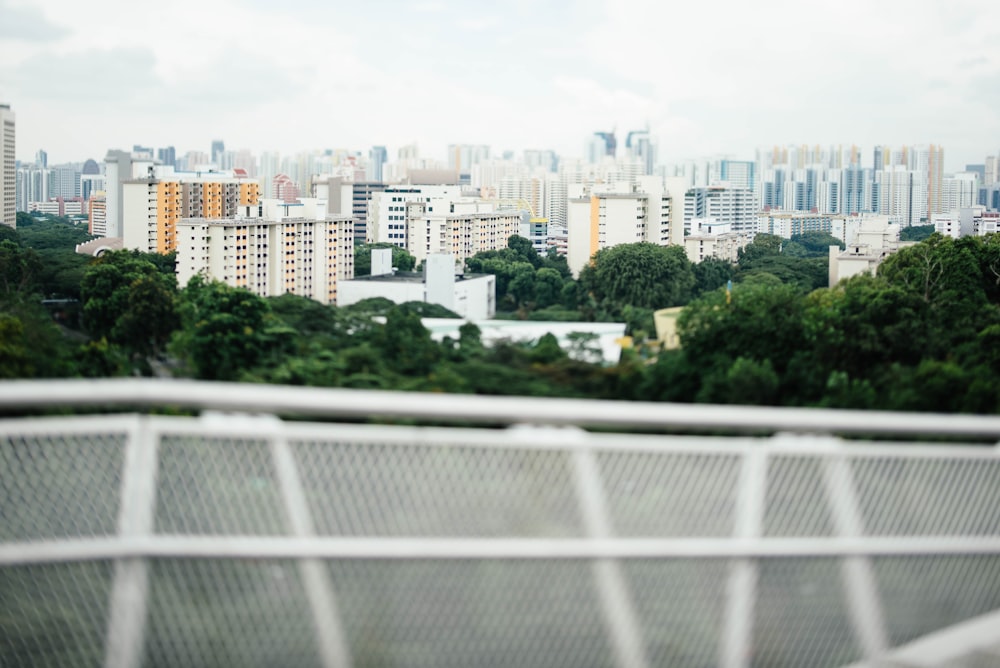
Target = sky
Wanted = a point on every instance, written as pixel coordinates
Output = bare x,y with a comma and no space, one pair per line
707,78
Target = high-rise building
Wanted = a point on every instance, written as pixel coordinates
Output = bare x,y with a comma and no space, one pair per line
153,205
650,210
66,180
935,180
639,145
722,204
738,173
8,168
602,145
463,157
377,157
218,148
167,156
119,167
281,247
41,158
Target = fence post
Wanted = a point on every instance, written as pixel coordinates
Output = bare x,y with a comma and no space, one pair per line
130,589
861,587
741,588
330,638
616,602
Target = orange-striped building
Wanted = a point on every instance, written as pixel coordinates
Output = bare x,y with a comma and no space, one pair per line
152,207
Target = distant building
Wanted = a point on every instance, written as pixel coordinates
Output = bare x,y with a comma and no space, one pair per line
8,168
377,158
282,249
876,240
723,203
790,223
153,205
471,296
650,211
119,167
97,223
966,222
714,240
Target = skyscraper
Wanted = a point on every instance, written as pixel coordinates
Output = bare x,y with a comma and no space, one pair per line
639,145
8,171
602,144
377,157
218,148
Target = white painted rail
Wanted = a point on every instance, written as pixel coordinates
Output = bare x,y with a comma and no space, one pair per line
234,538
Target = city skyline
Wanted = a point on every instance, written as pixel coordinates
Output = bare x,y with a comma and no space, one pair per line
706,79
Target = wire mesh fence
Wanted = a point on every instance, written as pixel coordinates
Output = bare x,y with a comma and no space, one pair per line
241,540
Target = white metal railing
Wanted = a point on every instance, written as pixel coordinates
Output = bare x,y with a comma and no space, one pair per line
239,538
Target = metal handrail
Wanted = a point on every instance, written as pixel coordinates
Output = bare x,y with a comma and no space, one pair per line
351,403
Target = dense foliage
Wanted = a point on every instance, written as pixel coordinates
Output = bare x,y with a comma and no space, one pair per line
923,334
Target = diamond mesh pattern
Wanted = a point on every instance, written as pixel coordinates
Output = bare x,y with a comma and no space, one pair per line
228,613
923,594
59,486
796,503
929,497
667,495
254,612
801,618
465,613
398,490
218,486
54,615
680,605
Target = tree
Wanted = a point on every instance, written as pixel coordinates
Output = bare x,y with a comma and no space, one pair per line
640,274
759,322
711,274
763,245
811,244
401,259
916,232
407,343
548,287
227,331
128,300
20,269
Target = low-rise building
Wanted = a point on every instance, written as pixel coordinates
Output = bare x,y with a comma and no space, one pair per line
876,240
711,238
471,296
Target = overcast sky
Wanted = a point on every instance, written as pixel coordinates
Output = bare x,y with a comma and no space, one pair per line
720,77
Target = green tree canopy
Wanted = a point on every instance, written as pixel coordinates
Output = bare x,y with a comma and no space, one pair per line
640,274
226,331
129,301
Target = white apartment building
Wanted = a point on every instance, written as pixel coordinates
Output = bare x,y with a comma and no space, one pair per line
8,171
847,228
152,206
606,216
877,238
713,239
269,256
959,191
967,221
387,210
902,195
789,223
723,203
426,220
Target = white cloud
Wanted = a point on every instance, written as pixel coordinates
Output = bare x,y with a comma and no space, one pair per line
713,77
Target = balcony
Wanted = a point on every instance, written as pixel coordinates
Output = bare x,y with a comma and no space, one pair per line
504,534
